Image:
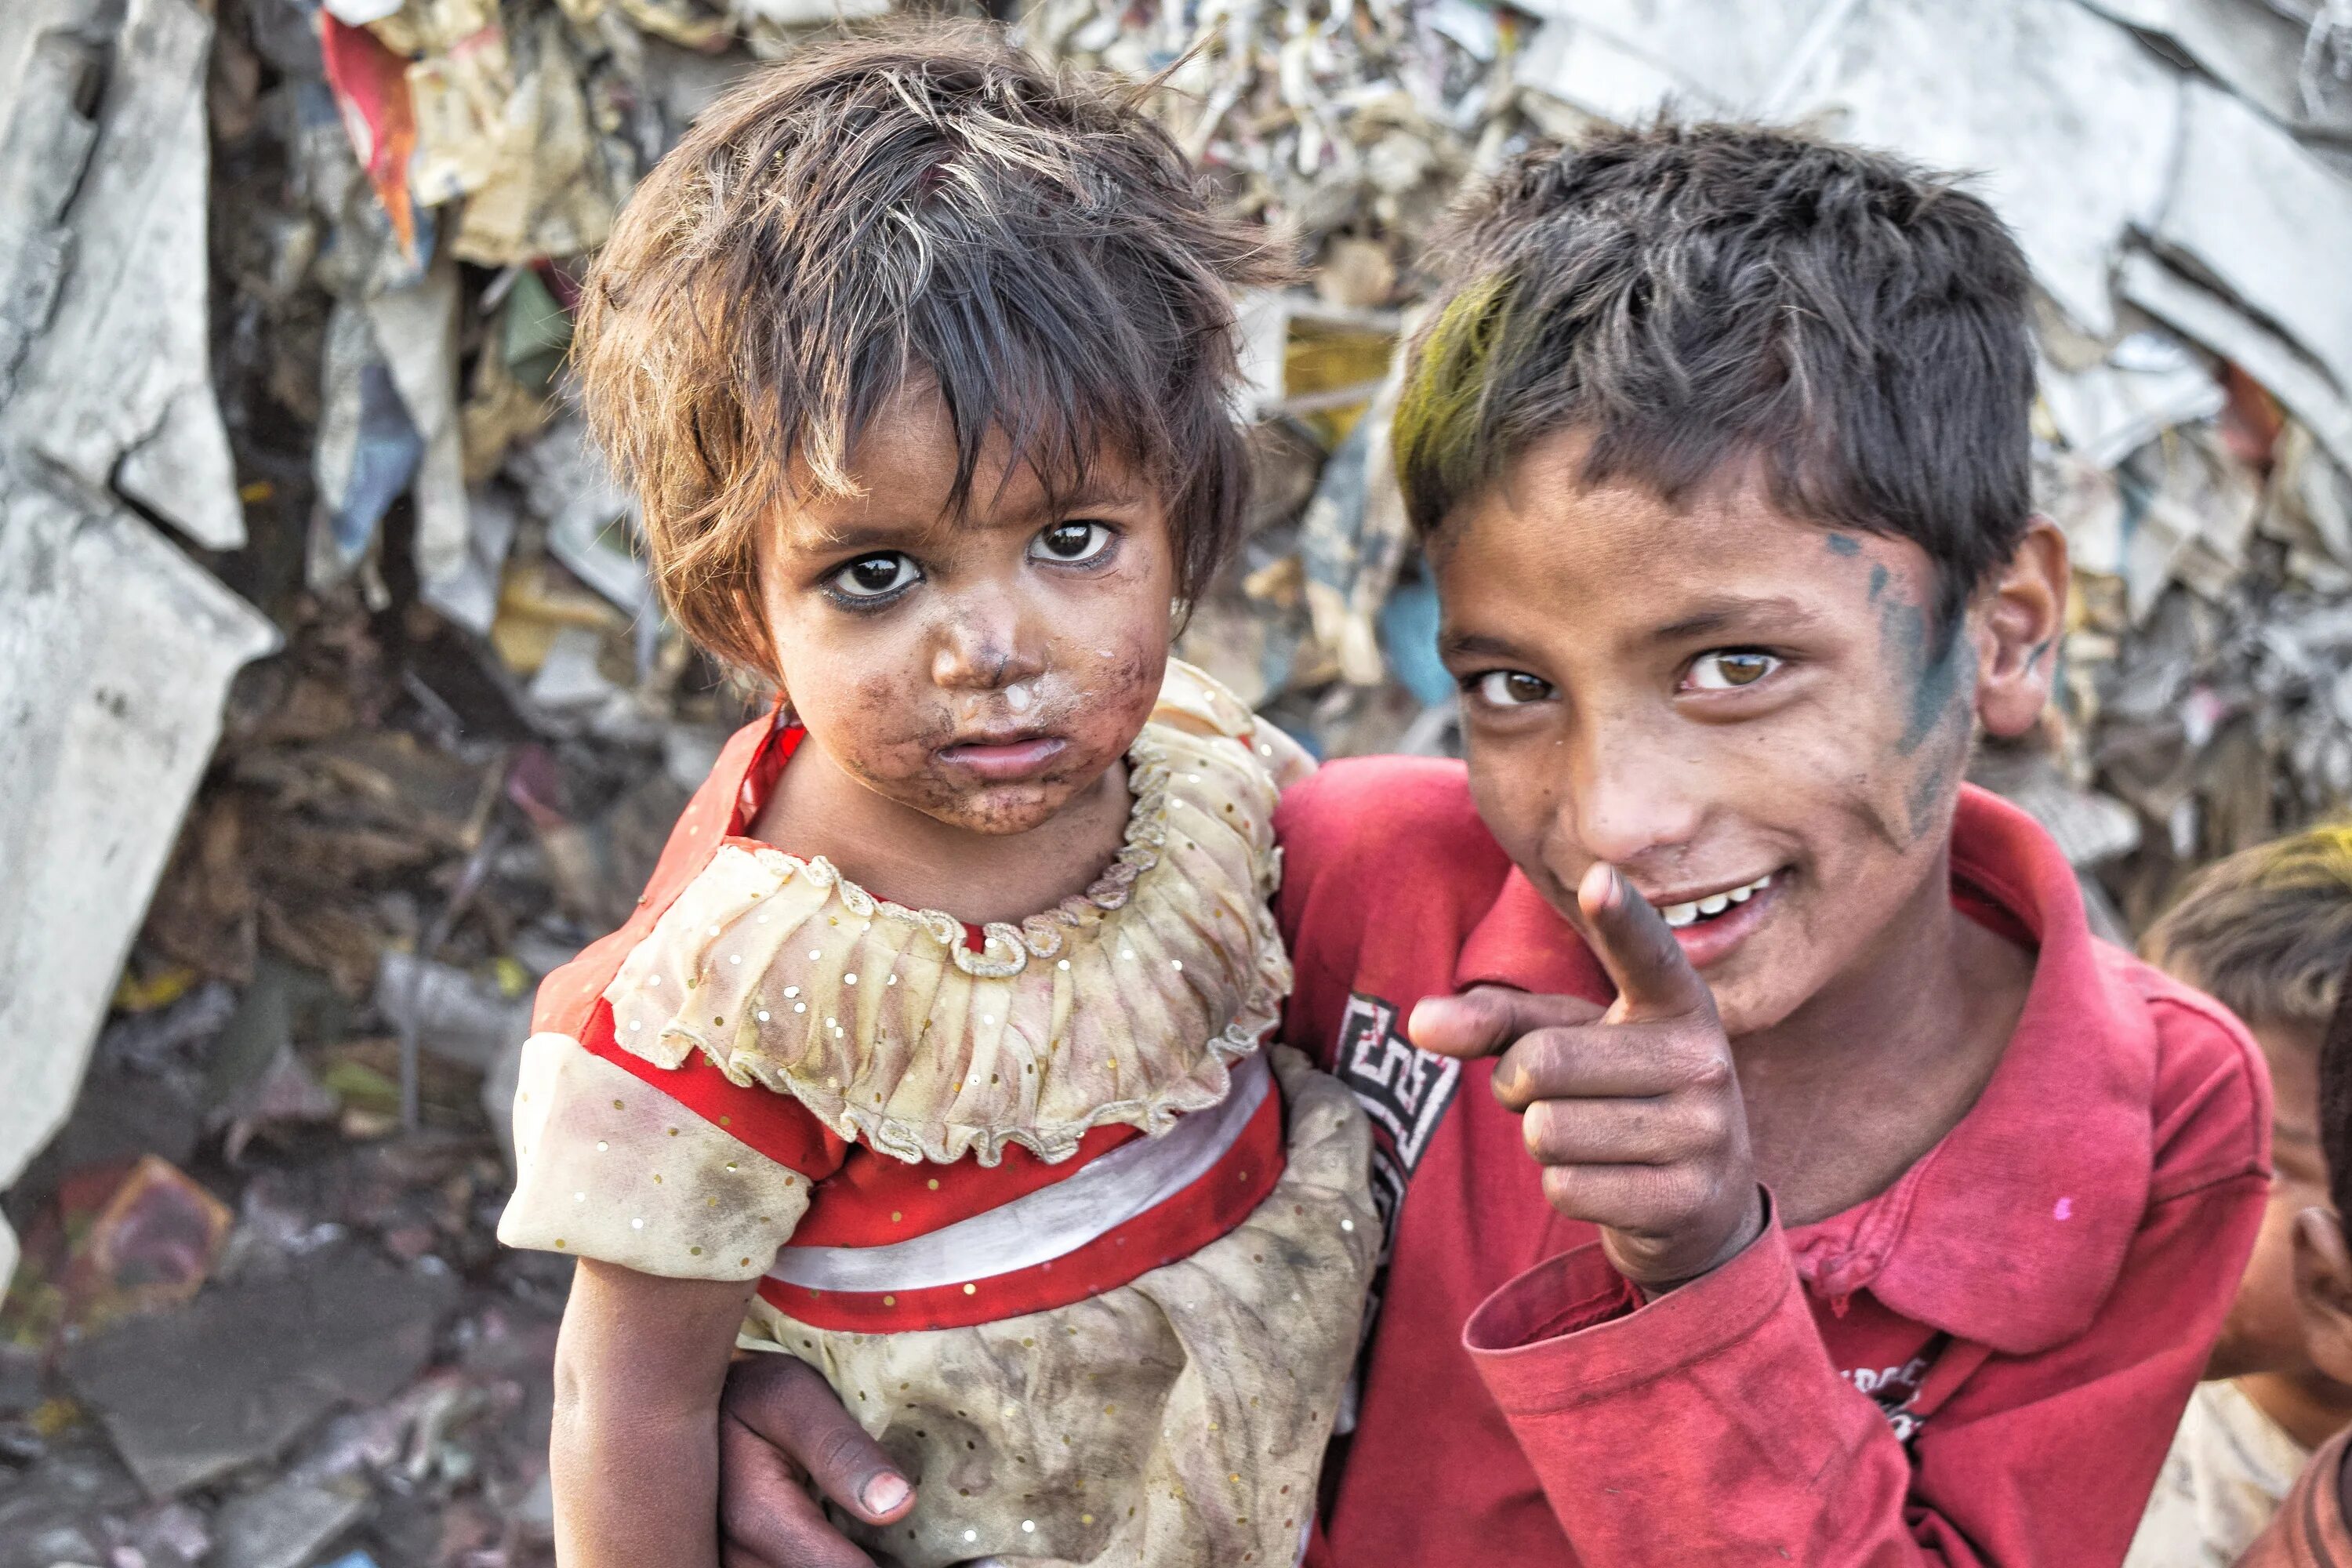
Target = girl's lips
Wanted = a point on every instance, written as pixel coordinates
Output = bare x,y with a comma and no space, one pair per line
1007,761
1711,940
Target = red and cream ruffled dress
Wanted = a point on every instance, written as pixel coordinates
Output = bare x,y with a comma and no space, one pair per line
1082,1256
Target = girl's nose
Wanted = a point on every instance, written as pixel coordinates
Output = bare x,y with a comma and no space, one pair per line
986,646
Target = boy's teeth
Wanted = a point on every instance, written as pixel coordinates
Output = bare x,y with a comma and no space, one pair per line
1680,915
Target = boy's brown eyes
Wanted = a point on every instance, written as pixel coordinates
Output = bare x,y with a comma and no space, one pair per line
1509,688
1727,669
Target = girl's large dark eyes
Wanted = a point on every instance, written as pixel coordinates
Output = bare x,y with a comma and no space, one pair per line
875,576
1728,669
1072,544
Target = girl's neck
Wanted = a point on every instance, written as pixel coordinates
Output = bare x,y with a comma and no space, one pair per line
898,853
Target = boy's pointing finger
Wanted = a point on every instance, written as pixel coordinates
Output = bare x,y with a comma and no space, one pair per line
1654,977
1487,1019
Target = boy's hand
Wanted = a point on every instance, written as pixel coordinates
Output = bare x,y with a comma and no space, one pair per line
1633,1111
783,1430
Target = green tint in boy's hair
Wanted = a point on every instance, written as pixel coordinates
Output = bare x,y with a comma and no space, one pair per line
1697,297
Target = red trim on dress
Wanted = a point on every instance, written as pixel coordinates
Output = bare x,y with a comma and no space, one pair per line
1174,1228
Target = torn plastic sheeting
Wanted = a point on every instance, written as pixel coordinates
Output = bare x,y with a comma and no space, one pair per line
553,182
104,356
360,13
2256,211
368,448
1996,87
2147,385
590,519
115,653
469,596
371,87
1352,539
391,425
2282,369
2250,46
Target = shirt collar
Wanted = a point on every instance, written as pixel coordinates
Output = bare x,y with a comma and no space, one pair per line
2010,1232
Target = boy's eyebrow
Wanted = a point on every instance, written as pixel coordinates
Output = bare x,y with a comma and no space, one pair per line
1733,612
1475,644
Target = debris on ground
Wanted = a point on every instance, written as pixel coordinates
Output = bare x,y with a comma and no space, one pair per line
331,648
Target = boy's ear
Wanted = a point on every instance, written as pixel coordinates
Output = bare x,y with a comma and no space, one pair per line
2021,615
2323,1291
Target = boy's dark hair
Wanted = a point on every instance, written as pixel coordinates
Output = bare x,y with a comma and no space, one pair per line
1696,296
2267,930
2336,1103
922,206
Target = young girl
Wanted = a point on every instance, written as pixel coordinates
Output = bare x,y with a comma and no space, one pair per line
919,357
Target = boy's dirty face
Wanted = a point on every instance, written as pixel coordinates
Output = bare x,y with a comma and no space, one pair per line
981,667
2264,1331
1757,719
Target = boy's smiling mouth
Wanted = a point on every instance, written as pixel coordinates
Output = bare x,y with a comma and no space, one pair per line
1706,905
1711,925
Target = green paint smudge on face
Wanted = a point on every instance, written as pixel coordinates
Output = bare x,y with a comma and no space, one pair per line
1845,544
1939,675
1934,673
1877,582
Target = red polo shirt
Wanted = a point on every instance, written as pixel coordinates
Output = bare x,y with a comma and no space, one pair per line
1983,1363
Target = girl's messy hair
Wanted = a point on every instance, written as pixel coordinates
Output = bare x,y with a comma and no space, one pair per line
922,206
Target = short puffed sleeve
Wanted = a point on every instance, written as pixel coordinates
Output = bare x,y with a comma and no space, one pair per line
654,1171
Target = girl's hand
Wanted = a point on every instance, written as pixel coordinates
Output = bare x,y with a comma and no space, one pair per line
1635,1110
780,1429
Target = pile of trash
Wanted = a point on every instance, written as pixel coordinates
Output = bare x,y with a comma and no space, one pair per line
340,710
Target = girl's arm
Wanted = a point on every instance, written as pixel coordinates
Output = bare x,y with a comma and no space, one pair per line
635,1458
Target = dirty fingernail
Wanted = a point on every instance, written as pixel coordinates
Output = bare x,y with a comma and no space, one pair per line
886,1491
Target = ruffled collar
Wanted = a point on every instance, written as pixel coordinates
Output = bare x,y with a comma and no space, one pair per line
1120,1005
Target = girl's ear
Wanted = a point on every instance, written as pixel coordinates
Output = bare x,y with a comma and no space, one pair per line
2323,1291
2021,615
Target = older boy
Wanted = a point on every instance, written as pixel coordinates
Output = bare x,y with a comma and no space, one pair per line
1718,445
2268,932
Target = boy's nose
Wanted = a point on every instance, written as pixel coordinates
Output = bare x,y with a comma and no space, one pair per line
1630,804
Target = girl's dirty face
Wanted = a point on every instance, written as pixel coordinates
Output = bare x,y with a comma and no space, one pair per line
984,666
1757,719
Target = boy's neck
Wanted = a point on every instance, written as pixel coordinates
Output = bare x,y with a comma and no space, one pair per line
897,852
1849,1090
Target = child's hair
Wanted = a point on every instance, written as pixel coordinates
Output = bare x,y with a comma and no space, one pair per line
1697,296
925,207
2268,930
2336,1103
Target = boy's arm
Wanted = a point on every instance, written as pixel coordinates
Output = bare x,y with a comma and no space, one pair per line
1752,1447
635,1455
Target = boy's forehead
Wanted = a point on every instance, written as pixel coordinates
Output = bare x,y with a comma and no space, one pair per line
1632,561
